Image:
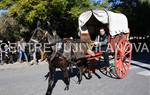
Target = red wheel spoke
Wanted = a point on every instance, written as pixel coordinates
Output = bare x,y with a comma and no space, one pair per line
125,67
123,58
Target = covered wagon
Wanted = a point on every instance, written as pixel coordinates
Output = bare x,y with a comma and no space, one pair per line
116,26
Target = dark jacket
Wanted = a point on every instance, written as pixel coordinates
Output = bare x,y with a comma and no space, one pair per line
102,42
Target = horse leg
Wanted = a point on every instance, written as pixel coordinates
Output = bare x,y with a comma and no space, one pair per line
71,67
89,72
80,74
81,65
84,68
50,81
66,77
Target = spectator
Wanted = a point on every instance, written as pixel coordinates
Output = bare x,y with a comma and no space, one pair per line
22,52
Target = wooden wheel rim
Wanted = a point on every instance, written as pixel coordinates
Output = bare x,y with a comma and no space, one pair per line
123,58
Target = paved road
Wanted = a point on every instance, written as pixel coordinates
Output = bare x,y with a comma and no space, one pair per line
29,80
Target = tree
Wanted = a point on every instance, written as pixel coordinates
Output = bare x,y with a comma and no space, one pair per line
9,28
62,14
137,14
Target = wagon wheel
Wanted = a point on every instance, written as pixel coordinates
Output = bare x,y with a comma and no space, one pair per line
123,58
112,73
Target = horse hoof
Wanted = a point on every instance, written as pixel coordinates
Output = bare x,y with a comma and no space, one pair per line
89,76
79,82
48,93
66,88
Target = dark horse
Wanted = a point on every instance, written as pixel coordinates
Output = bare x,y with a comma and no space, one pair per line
55,59
59,58
71,53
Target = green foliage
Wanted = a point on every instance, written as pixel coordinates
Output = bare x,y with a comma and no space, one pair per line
143,1
137,12
29,11
5,4
9,28
62,14
75,11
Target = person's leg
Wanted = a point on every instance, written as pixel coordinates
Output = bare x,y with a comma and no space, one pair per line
106,60
20,56
32,61
26,58
42,56
36,57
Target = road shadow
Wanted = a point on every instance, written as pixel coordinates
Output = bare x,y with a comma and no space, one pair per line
143,67
141,50
58,75
143,57
100,66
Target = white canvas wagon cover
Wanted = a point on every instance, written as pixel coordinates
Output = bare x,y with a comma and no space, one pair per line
117,22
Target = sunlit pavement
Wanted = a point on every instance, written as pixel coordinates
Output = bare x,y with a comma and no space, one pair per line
29,80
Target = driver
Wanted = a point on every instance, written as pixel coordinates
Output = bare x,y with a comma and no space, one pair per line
101,44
